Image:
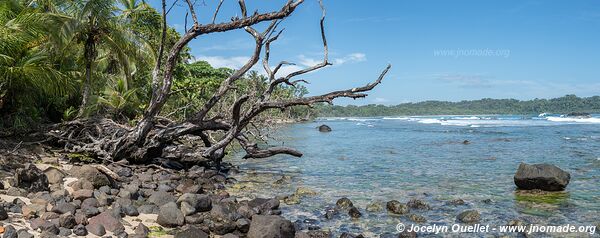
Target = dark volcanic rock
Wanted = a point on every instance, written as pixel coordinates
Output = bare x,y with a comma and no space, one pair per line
344,203
417,204
170,215
9,232
80,230
354,212
396,207
545,177
200,202
31,179
270,226
191,232
142,230
108,221
161,198
96,229
324,128
3,213
67,220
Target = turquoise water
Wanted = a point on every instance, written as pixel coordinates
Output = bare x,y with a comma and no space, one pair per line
380,159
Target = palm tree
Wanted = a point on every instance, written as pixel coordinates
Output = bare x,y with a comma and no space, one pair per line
27,71
97,25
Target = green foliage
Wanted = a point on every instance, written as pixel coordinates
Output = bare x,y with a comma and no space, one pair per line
52,51
118,100
566,104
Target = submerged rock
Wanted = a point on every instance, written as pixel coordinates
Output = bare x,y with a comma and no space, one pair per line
344,203
354,212
396,207
545,177
417,204
469,216
324,128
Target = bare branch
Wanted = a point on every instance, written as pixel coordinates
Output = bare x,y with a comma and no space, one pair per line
163,37
324,63
216,12
243,8
194,18
252,150
328,97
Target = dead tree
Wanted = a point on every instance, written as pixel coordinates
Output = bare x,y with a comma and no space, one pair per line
152,138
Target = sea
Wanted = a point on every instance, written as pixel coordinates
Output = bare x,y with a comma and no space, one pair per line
436,159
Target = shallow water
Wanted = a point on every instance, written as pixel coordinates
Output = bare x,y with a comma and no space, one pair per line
380,159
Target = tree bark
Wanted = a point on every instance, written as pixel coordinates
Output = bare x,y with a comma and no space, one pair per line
89,55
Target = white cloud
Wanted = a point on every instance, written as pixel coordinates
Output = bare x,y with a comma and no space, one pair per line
234,62
350,58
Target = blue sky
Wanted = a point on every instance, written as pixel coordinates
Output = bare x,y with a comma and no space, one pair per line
439,50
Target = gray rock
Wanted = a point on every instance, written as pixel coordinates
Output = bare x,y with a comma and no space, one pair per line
270,226
201,202
161,198
83,194
468,216
546,177
191,232
108,221
64,232
65,207
49,227
187,209
194,219
396,207
148,209
9,232
24,234
264,205
142,230
96,229
67,220
127,207
80,230
169,215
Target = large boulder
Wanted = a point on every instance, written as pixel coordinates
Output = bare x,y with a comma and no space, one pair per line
270,226
545,177
31,178
93,175
170,215
108,221
324,128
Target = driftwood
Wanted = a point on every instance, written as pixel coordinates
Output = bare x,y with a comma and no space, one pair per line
150,137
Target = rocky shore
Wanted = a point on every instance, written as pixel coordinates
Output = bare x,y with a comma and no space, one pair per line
49,195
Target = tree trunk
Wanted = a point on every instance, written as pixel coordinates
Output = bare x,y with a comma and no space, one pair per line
90,55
